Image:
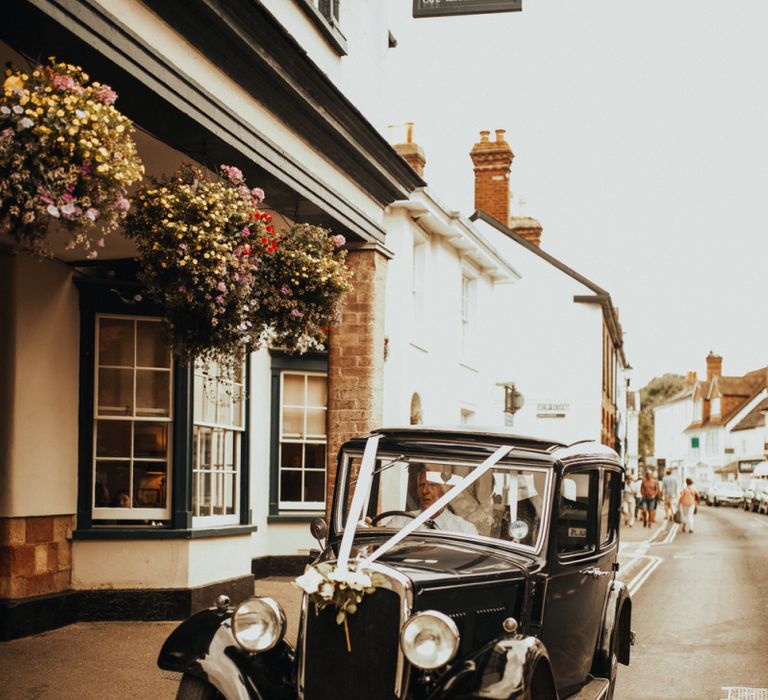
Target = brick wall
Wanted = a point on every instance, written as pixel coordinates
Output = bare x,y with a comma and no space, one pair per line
356,355
35,555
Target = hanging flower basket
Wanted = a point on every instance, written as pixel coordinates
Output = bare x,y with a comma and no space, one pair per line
67,156
206,254
299,285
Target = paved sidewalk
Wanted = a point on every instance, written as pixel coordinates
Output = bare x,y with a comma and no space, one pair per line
107,660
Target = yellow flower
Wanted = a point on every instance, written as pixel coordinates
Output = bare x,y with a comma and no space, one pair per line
13,82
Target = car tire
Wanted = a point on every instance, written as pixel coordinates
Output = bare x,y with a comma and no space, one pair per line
193,688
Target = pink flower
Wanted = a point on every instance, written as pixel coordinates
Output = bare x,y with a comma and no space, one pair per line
233,174
67,209
53,211
258,193
296,313
221,287
338,240
67,197
100,243
105,94
123,203
246,232
26,123
92,213
237,277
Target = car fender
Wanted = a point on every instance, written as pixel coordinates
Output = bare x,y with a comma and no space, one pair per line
616,630
204,646
505,669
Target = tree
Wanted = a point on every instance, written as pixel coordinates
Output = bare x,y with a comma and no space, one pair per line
657,391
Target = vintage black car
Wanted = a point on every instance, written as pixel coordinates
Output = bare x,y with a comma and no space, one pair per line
492,564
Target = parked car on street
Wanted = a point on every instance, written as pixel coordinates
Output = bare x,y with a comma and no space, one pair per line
755,494
456,564
725,493
703,486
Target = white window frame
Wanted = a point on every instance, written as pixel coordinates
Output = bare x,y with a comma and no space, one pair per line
419,316
219,432
468,312
130,513
714,409
303,439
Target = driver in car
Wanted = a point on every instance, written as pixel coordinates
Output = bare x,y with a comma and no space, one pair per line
428,492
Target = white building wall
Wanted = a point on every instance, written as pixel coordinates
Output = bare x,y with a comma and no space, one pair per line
669,441
38,457
554,347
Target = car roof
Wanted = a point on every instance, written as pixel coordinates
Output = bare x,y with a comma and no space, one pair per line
442,438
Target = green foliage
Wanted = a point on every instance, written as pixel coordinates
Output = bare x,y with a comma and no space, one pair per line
656,392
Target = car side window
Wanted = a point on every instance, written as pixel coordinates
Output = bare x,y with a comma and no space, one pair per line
576,514
608,506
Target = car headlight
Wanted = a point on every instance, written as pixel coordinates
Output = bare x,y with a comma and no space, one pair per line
258,624
429,639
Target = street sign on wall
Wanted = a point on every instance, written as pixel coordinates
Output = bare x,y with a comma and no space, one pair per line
442,8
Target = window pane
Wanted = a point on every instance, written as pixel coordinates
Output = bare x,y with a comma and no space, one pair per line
115,392
293,389
151,348
205,493
149,480
229,494
293,422
314,486
224,416
195,497
238,406
314,456
218,494
153,393
316,422
290,455
116,342
113,438
317,393
290,485
199,384
113,484
150,440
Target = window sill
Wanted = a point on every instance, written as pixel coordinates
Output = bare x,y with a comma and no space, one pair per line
132,532
465,365
329,30
294,517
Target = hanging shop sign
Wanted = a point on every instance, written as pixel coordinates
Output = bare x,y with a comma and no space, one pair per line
442,8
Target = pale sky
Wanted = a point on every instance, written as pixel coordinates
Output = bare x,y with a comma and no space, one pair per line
640,133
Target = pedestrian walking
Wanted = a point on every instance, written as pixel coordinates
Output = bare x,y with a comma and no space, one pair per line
650,491
629,501
689,499
671,490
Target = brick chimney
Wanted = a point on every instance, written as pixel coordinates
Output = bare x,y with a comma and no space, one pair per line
714,366
528,227
691,378
411,152
492,160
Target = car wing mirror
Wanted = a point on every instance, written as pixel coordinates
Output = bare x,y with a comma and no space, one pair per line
319,529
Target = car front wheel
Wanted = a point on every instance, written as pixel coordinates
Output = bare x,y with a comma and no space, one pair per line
193,688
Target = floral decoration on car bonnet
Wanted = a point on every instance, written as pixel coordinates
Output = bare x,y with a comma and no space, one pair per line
327,584
66,155
224,277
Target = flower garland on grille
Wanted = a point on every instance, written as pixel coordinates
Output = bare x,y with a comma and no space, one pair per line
67,156
226,279
326,585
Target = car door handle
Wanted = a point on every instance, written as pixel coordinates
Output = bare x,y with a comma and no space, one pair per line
594,572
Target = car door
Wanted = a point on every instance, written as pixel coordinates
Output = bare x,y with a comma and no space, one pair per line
582,554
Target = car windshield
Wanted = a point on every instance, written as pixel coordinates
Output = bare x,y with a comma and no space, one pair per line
729,487
762,487
506,503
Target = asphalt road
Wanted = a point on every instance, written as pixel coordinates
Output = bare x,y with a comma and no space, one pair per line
701,617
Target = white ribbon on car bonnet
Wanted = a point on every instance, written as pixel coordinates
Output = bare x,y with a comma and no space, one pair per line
358,500
438,505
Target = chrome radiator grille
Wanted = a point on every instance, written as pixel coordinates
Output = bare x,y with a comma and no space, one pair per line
370,669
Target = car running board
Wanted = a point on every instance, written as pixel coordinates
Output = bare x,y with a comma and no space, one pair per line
595,689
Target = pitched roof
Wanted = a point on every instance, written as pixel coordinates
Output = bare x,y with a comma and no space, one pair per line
754,419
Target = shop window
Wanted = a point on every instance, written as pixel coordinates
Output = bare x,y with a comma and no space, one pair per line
133,417
299,434
219,423
161,445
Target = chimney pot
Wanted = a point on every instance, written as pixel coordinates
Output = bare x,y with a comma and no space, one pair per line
484,136
409,132
411,152
500,135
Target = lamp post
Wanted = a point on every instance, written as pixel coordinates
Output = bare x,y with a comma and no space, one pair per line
513,401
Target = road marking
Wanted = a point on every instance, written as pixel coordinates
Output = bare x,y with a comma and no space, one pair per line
640,578
670,535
